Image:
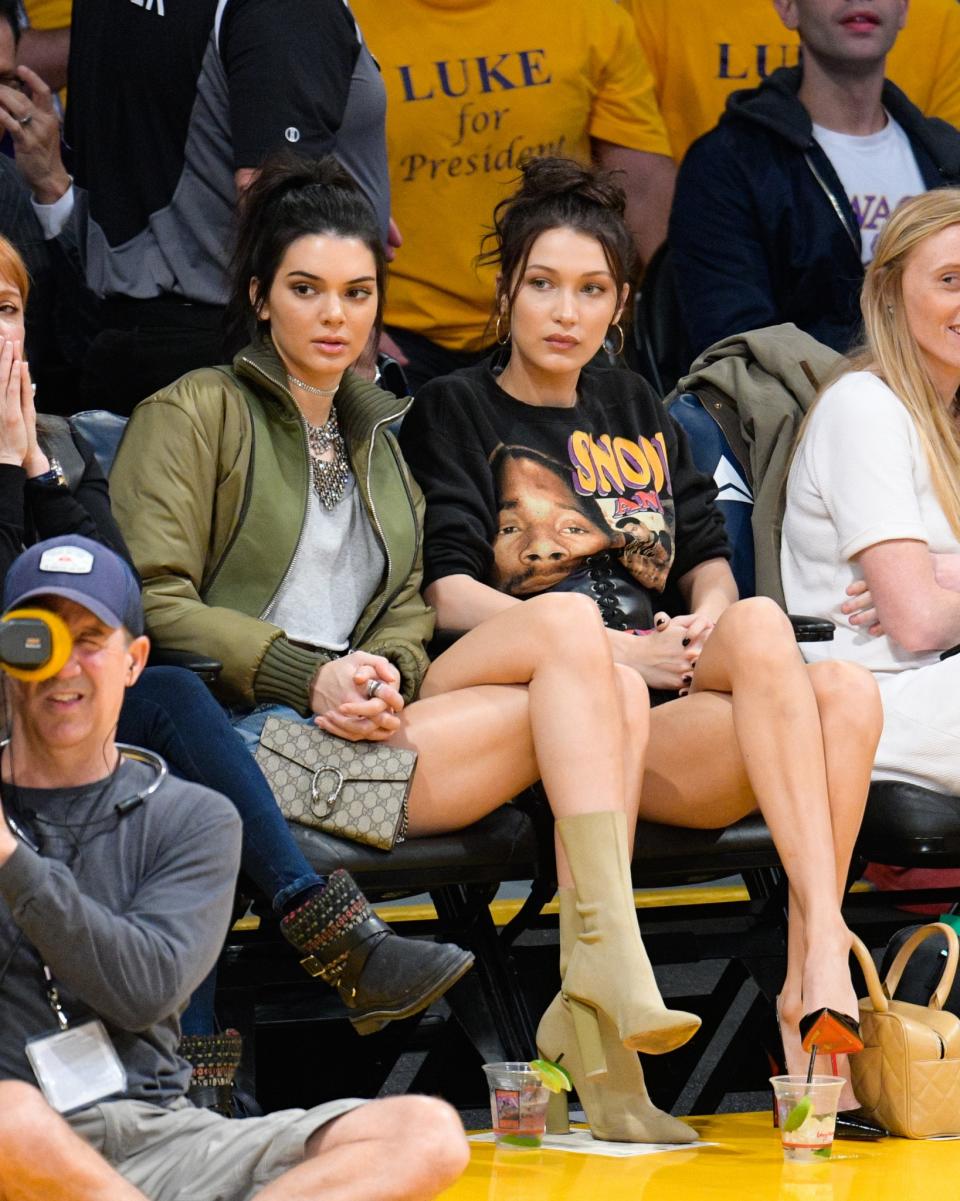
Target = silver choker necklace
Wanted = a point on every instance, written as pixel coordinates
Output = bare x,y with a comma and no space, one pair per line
310,387
329,475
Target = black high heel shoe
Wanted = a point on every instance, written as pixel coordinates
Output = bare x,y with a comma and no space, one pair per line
833,1034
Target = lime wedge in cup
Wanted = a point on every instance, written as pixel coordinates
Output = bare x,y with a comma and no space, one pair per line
798,1115
551,1075
520,1140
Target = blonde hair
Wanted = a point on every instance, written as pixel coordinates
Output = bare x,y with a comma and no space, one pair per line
13,269
890,349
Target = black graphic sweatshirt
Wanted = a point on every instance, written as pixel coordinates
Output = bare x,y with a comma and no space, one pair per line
525,498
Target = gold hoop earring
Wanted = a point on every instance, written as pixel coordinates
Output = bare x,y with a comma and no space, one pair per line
501,340
619,328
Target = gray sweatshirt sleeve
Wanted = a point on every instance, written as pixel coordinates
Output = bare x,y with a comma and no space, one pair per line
137,966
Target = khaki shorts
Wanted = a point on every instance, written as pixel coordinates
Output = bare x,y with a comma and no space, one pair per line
181,1153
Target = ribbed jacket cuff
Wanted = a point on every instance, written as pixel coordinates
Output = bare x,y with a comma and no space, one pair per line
285,674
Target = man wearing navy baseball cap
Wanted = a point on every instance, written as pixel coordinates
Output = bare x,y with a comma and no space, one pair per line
80,570
116,887
62,728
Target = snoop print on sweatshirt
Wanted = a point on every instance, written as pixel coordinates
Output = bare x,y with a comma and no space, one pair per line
519,496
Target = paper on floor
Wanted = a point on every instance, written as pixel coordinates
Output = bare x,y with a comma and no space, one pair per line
583,1143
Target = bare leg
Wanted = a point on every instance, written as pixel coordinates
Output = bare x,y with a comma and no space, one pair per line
799,739
397,1149
851,716
483,739
752,655
41,1159
579,723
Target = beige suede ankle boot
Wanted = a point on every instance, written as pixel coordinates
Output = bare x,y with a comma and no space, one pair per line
609,972
617,1104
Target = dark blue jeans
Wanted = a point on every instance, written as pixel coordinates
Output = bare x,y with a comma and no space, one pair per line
170,711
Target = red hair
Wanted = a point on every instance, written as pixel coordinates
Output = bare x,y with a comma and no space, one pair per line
13,269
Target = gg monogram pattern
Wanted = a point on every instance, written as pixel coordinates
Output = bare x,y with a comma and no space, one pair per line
356,790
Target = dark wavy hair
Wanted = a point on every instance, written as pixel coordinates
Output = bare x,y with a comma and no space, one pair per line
293,197
558,193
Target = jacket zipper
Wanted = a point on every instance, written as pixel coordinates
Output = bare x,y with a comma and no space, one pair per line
834,203
303,526
303,519
388,597
244,506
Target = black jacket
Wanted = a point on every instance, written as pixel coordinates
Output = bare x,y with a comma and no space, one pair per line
762,231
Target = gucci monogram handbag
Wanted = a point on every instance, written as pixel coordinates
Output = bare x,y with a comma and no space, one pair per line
907,1076
356,790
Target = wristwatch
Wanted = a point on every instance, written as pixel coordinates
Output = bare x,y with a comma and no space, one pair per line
54,478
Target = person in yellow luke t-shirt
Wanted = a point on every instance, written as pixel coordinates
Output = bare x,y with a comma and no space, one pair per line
702,50
475,88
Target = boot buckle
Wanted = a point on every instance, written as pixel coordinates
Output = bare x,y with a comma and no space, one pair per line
330,972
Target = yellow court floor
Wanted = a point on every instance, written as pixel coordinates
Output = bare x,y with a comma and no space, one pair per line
746,1164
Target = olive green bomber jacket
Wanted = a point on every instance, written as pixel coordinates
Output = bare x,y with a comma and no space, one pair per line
213,549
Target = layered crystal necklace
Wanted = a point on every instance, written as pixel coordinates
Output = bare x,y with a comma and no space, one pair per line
329,475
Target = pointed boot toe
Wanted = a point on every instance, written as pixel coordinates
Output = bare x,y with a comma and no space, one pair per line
379,975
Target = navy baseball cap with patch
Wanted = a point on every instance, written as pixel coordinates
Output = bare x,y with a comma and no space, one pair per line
81,570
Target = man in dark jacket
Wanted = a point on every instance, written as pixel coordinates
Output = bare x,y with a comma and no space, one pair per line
777,209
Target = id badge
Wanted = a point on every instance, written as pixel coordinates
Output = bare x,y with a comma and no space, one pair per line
77,1067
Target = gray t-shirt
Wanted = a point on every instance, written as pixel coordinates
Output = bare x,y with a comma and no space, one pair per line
336,571
128,929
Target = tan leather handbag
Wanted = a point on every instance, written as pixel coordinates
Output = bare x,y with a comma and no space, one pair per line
907,1076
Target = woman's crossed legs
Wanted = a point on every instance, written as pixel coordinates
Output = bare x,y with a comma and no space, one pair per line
760,727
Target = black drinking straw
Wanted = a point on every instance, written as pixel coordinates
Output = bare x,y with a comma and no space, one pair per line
813,1064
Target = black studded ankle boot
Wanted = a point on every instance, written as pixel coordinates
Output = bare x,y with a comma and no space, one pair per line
378,974
214,1059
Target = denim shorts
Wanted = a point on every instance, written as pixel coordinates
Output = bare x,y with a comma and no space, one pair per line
249,723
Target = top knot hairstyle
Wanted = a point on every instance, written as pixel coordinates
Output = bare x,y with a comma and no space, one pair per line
294,197
558,193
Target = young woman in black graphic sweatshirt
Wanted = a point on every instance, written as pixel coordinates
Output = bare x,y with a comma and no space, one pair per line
559,475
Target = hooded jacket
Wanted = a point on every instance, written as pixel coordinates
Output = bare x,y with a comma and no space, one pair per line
210,488
762,231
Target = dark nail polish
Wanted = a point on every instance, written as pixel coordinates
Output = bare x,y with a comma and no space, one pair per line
688,679
686,642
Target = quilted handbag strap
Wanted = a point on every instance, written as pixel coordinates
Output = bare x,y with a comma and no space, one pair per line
938,1000
869,969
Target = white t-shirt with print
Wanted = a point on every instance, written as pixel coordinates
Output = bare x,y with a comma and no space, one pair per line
859,477
877,172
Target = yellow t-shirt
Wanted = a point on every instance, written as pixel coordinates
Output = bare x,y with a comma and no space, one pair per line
48,14
475,88
702,50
